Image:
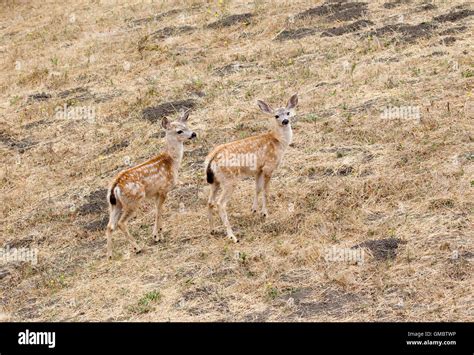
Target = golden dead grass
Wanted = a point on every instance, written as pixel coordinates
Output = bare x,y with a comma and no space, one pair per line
349,177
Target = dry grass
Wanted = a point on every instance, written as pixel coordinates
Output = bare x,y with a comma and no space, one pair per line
350,177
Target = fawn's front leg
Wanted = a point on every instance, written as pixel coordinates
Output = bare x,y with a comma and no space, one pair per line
266,191
158,227
258,189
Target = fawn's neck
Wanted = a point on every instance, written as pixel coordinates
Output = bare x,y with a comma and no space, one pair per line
175,150
283,134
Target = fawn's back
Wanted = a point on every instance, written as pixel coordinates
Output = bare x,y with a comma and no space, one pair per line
246,157
155,176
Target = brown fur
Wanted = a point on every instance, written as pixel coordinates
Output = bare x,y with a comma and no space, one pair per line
152,179
266,152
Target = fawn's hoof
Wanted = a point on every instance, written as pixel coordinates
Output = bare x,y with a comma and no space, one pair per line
158,237
233,238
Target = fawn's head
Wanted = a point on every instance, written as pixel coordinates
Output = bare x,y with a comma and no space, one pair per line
280,116
178,130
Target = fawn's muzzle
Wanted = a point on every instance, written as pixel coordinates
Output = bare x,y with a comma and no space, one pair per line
285,122
193,135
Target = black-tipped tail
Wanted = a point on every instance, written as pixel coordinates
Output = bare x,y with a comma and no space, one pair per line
209,174
112,199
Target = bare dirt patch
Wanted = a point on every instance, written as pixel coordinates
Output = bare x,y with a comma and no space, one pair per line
396,3
77,94
382,249
97,225
406,33
36,124
232,20
352,27
96,203
154,114
437,54
24,242
41,96
296,34
427,7
448,41
155,18
453,30
74,95
116,147
170,32
21,145
454,16
336,11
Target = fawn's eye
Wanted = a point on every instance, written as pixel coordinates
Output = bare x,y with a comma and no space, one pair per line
288,113
179,132
276,116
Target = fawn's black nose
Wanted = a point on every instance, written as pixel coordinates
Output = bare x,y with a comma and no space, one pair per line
285,122
193,135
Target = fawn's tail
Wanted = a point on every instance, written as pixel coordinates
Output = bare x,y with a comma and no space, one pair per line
112,198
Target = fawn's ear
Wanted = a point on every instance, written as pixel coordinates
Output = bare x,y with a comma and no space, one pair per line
184,116
264,107
165,123
293,102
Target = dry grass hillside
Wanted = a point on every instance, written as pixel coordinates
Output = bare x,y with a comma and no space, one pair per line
84,84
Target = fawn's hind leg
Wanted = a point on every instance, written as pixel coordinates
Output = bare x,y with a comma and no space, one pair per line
123,226
115,211
211,204
222,206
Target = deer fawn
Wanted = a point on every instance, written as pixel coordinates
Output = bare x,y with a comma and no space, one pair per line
152,179
256,156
